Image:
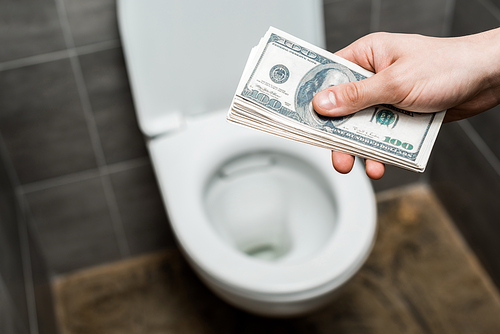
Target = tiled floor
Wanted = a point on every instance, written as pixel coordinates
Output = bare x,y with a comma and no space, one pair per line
420,278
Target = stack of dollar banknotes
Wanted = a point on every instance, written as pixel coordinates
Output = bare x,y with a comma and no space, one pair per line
280,79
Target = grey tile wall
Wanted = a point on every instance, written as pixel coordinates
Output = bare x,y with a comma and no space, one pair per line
427,17
42,121
11,266
68,121
42,288
496,4
11,262
91,21
142,210
29,29
110,97
74,224
487,125
10,323
465,170
346,21
472,16
20,265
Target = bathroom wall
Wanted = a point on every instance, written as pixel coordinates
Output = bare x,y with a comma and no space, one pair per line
465,166
14,316
68,122
25,292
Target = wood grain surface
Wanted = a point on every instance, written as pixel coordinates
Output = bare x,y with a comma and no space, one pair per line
420,278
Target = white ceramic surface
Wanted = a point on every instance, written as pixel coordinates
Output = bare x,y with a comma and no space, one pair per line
265,222
186,163
186,57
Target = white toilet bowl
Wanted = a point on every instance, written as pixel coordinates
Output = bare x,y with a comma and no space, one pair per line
265,222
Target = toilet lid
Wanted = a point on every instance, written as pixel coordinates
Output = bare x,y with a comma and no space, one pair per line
185,161
186,57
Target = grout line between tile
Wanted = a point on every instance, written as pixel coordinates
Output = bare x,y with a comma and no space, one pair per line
375,15
81,86
27,269
23,237
129,164
65,27
480,145
96,47
83,175
88,112
116,220
33,60
59,181
58,55
104,173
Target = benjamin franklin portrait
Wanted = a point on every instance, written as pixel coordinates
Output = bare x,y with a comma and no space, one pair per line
317,79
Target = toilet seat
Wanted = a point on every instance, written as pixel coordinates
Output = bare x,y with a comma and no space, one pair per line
185,160
184,59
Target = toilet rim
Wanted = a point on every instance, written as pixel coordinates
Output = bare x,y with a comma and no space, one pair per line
348,247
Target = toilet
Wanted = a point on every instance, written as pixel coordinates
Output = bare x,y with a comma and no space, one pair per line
265,222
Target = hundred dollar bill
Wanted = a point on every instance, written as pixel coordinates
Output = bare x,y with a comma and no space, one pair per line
280,79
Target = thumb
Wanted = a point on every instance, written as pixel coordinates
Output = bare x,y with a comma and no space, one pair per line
347,98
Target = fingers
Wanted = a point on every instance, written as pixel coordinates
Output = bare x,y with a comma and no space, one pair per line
374,169
343,163
347,98
362,52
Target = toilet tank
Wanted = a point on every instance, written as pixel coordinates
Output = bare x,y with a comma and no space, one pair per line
185,57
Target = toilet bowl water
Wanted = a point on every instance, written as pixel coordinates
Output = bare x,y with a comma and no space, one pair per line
271,206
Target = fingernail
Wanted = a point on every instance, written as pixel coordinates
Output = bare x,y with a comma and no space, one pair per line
326,100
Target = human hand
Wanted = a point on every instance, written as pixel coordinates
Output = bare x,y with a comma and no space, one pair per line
416,73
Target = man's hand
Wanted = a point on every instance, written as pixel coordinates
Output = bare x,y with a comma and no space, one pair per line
416,73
